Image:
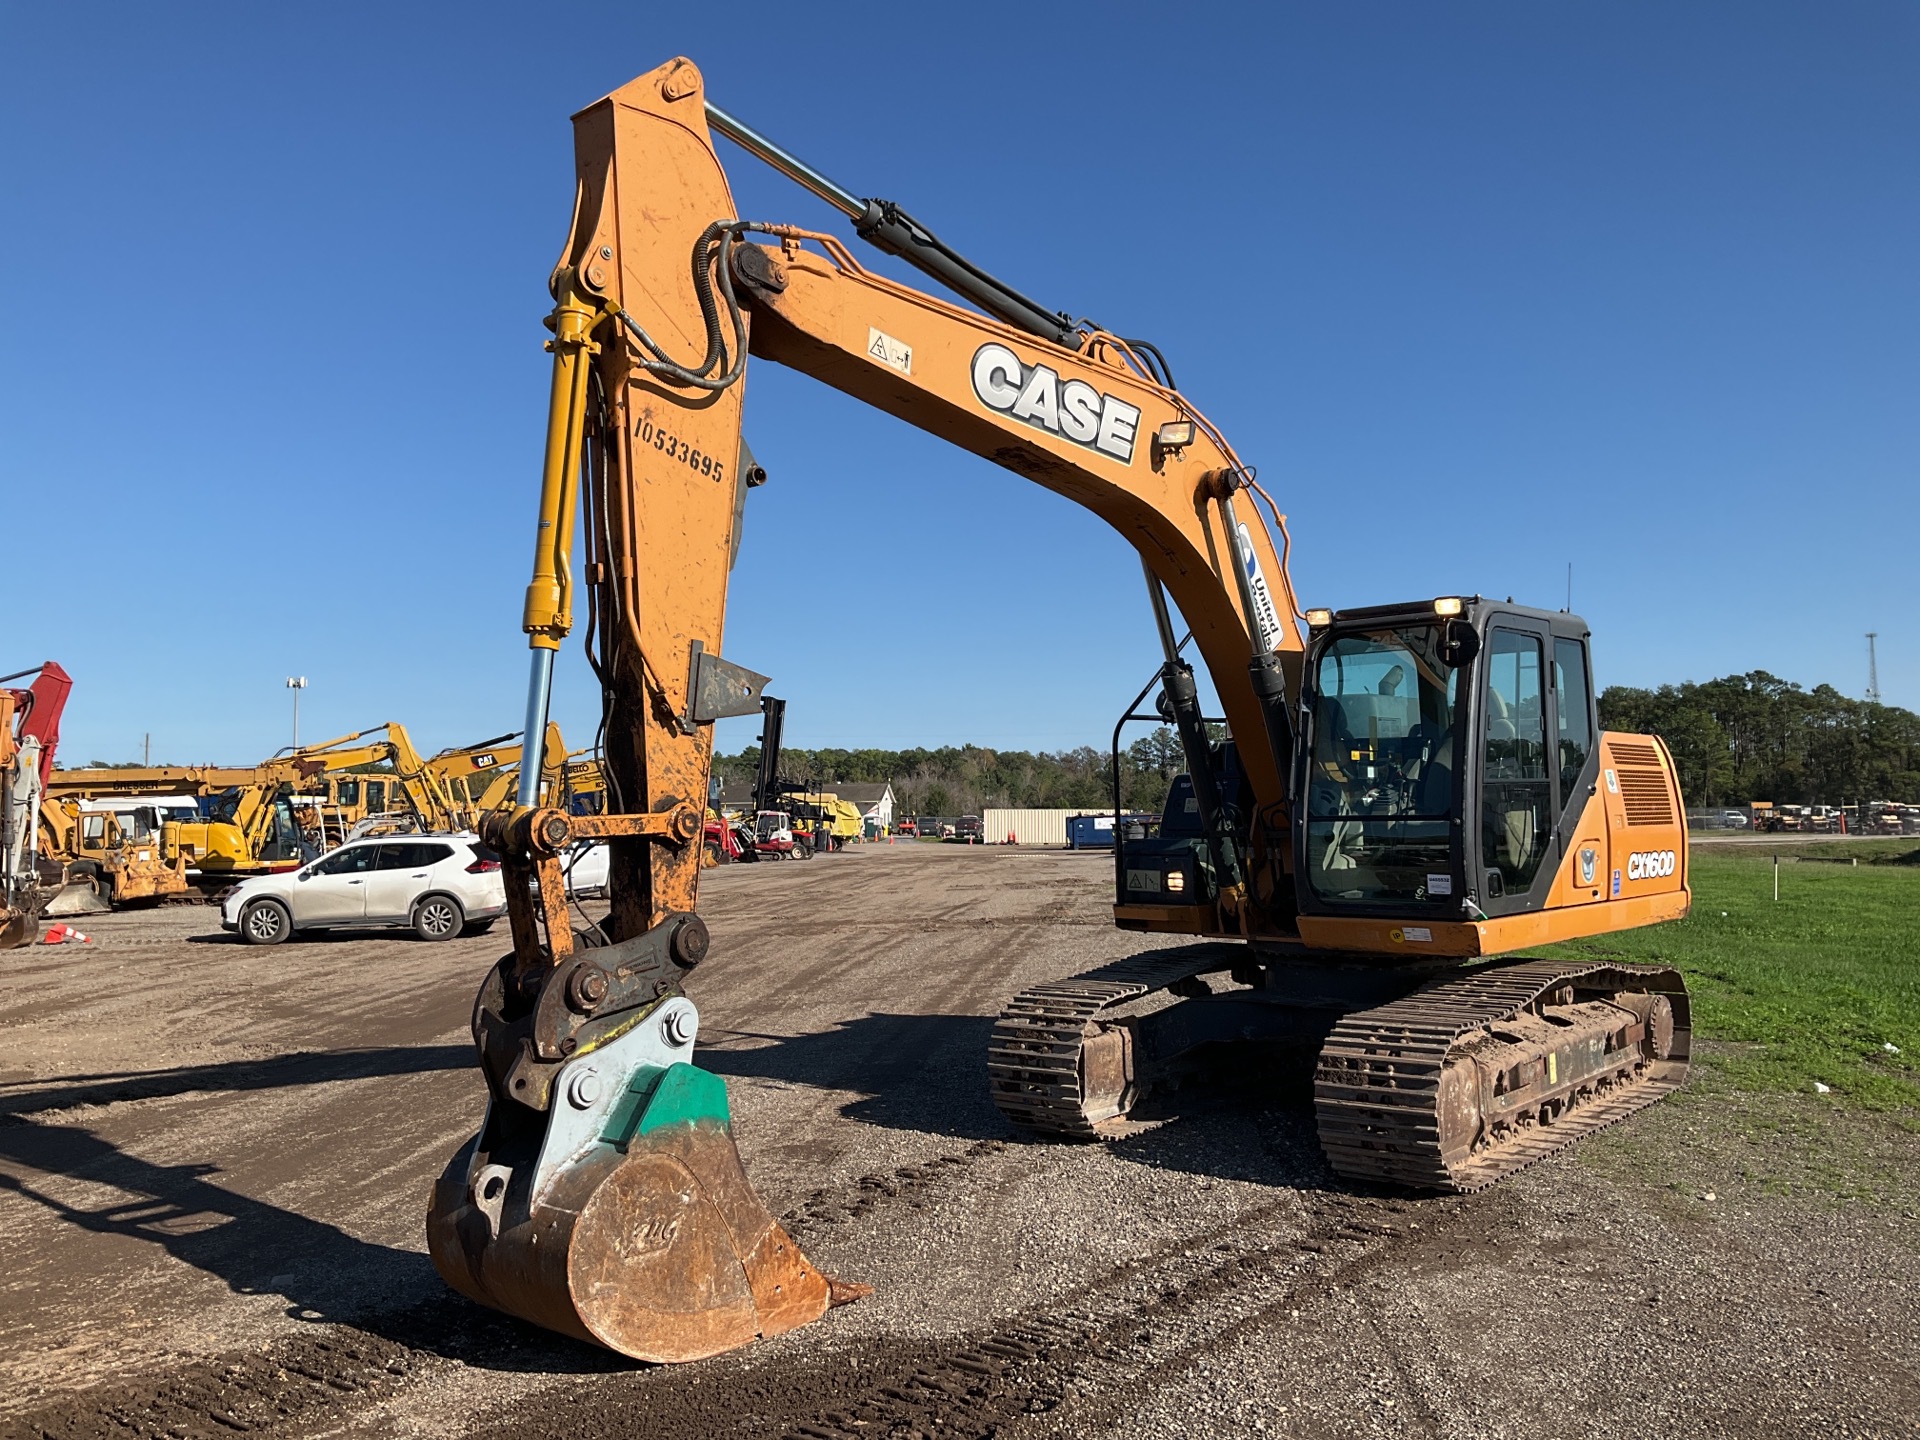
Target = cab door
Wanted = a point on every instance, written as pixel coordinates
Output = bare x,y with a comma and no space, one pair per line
1582,821
1518,794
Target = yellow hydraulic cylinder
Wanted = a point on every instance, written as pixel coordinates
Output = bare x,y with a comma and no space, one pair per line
548,615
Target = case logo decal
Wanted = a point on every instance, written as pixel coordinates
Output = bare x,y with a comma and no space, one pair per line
1074,411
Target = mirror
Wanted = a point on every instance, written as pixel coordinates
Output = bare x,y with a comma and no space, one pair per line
1460,644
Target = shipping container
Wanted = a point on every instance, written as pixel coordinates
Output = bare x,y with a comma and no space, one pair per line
1028,827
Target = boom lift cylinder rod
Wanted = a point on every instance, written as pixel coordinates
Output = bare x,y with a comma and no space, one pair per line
887,227
539,693
1162,621
1182,699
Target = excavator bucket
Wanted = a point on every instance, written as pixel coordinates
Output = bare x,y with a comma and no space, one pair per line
78,896
622,1215
16,929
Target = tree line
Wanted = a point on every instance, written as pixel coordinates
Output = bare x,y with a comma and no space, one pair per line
969,779
1735,739
1758,737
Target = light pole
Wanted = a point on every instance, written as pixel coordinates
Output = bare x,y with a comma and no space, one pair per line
296,683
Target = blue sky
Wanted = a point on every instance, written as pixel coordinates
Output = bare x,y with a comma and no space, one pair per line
1481,288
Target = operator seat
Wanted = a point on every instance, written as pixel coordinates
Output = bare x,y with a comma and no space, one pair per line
1433,786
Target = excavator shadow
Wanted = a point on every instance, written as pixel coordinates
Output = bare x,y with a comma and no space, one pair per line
911,1072
927,1073
20,1098
1243,1112
324,1274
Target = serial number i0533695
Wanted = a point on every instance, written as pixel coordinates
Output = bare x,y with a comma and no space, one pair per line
670,445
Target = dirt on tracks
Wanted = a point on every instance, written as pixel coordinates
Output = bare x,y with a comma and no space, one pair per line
214,1163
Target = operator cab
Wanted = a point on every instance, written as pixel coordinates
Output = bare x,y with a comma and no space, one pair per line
1448,748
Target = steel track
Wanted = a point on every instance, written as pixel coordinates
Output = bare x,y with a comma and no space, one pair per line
1377,1083
1377,1086
1033,1054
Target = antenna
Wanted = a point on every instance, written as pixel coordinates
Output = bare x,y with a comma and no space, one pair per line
1569,587
1873,670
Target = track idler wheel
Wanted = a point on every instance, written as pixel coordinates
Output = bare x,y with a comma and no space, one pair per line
622,1216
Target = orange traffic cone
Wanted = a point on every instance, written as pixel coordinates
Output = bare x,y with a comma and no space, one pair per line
60,934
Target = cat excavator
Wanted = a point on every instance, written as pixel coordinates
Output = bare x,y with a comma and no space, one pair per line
1395,801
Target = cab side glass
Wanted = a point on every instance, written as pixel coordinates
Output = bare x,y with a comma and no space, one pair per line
1517,816
1576,712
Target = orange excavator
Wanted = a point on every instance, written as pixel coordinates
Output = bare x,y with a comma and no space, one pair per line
1405,796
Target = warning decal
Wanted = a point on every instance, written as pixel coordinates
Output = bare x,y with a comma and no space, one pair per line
895,354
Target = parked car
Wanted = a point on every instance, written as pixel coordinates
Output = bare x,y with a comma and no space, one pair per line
438,886
585,867
1734,820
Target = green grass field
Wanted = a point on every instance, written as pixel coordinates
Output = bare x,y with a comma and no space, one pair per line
1813,987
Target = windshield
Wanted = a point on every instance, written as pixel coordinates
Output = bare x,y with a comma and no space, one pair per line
1380,782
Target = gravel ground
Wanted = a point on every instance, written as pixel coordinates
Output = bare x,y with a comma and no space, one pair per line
214,1164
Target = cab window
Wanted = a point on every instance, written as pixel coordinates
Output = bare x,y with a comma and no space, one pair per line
1380,791
1576,713
1516,818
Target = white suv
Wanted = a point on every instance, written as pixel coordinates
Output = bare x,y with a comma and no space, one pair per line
437,885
